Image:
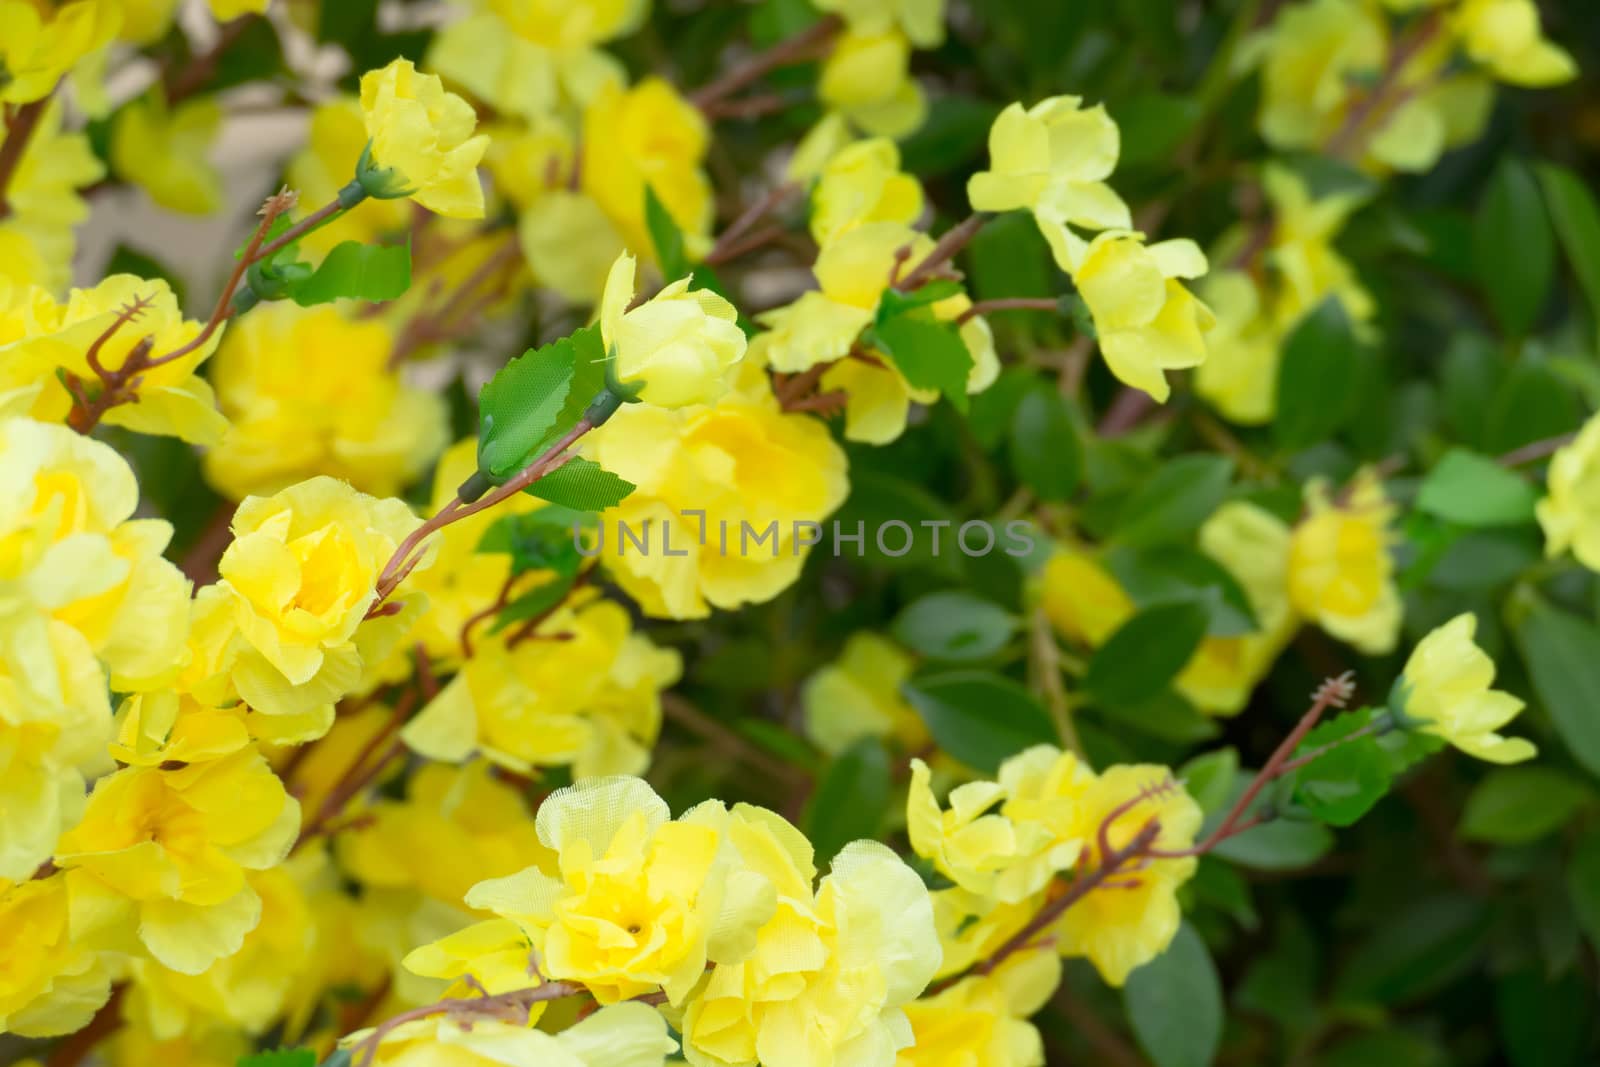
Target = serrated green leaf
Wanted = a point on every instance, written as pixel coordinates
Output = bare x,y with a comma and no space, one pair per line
665,236
582,485
930,354
520,404
894,303
356,271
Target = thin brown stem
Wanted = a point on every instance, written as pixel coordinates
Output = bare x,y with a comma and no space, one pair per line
19,131
486,614
682,713
1372,729
748,218
288,237
1535,450
361,771
1349,141
801,48
75,1047
507,1007
953,241
1046,659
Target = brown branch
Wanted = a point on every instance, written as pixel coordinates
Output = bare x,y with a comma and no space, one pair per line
684,714
748,218
20,128
1347,141
486,614
807,45
1535,450
360,773
506,1007
183,80
953,241
1130,406
76,1046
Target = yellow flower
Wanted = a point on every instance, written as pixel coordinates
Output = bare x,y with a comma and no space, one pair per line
310,391
43,41
456,827
570,244
1444,691
300,575
226,10
828,976
591,698
639,902
166,851
523,59
1145,320
858,695
53,981
570,25
423,136
1315,53
984,1019
166,726
747,466
1504,36
867,78
679,345
1302,252
216,1046
172,398
1570,511
973,927
70,550
532,159
335,139
622,1035
37,241
648,135
1053,159
921,20
1341,575
1240,374
859,184
1123,926
1006,839
1083,601
164,151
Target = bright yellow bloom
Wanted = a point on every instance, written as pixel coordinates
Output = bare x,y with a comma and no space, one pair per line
172,398
1083,601
1570,512
1145,320
984,1019
570,244
622,1035
71,553
974,927
164,151
226,10
862,183
1005,839
1053,159
1240,374
678,346
53,981
591,699
829,975
300,575
334,141
310,391
1315,53
1445,692
530,160
136,1046
423,135
867,78
648,135
921,20
1504,36
1301,248
570,25
635,902
1128,924
1341,575
166,851
742,462
858,695
44,40
37,240
166,726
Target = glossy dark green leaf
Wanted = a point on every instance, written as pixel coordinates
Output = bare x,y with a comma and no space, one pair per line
978,717
851,798
1318,379
1145,653
1516,805
930,354
954,625
1513,247
1175,1003
1045,453
356,271
1174,500
1209,778
1562,652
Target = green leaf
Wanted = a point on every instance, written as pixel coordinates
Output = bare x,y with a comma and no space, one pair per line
1513,247
1516,805
930,354
534,603
1174,500
582,485
1562,652
1417,949
851,798
1319,377
1577,223
1045,453
1343,783
665,236
1153,124
1279,845
1178,572
1209,778
1145,653
283,1057
536,541
1543,1022
1473,490
1583,884
1009,257
877,498
356,271
1167,716
954,625
519,405
1532,403
978,717
1175,1003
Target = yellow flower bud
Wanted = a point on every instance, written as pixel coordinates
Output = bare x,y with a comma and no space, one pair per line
1341,575
421,136
679,345
1444,691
